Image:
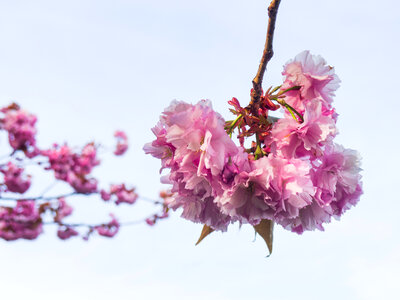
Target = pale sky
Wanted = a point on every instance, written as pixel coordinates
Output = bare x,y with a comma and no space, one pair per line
86,68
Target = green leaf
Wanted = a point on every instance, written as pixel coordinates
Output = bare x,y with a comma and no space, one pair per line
265,230
206,231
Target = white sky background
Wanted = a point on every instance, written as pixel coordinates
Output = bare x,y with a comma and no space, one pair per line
87,68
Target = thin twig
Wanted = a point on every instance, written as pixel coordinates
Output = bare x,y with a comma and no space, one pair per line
37,198
128,223
49,188
266,57
48,198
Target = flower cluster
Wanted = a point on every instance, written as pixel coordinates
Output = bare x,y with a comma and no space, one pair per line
120,193
23,217
74,167
21,221
110,229
192,142
293,173
20,126
15,180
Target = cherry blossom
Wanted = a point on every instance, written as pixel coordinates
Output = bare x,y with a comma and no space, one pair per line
110,229
121,193
122,142
22,221
20,126
14,178
291,174
23,217
314,76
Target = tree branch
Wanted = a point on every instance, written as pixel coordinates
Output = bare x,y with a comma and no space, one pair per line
49,198
128,223
39,198
266,57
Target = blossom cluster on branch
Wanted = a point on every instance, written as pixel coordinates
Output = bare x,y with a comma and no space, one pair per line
24,217
286,170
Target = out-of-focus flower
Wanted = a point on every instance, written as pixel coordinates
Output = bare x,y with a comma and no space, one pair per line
110,229
14,178
120,193
20,126
63,210
66,232
20,222
122,142
74,168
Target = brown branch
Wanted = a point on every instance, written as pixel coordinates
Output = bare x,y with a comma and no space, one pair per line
266,57
128,223
49,198
41,198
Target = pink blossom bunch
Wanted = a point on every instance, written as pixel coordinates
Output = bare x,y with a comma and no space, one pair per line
62,210
20,126
74,167
110,229
65,232
23,217
22,221
14,178
120,193
292,174
192,142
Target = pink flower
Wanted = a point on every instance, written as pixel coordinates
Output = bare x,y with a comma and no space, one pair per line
160,148
63,210
74,168
153,219
21,129
247,199
198,128
192,142
110,229
15,180
82,184
105,195
121,193
20,222
291,181
316,79
336,177
61,159
276,188
290,138
200,210
193,194
66,232
86,160
310,217
122,143
150,221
